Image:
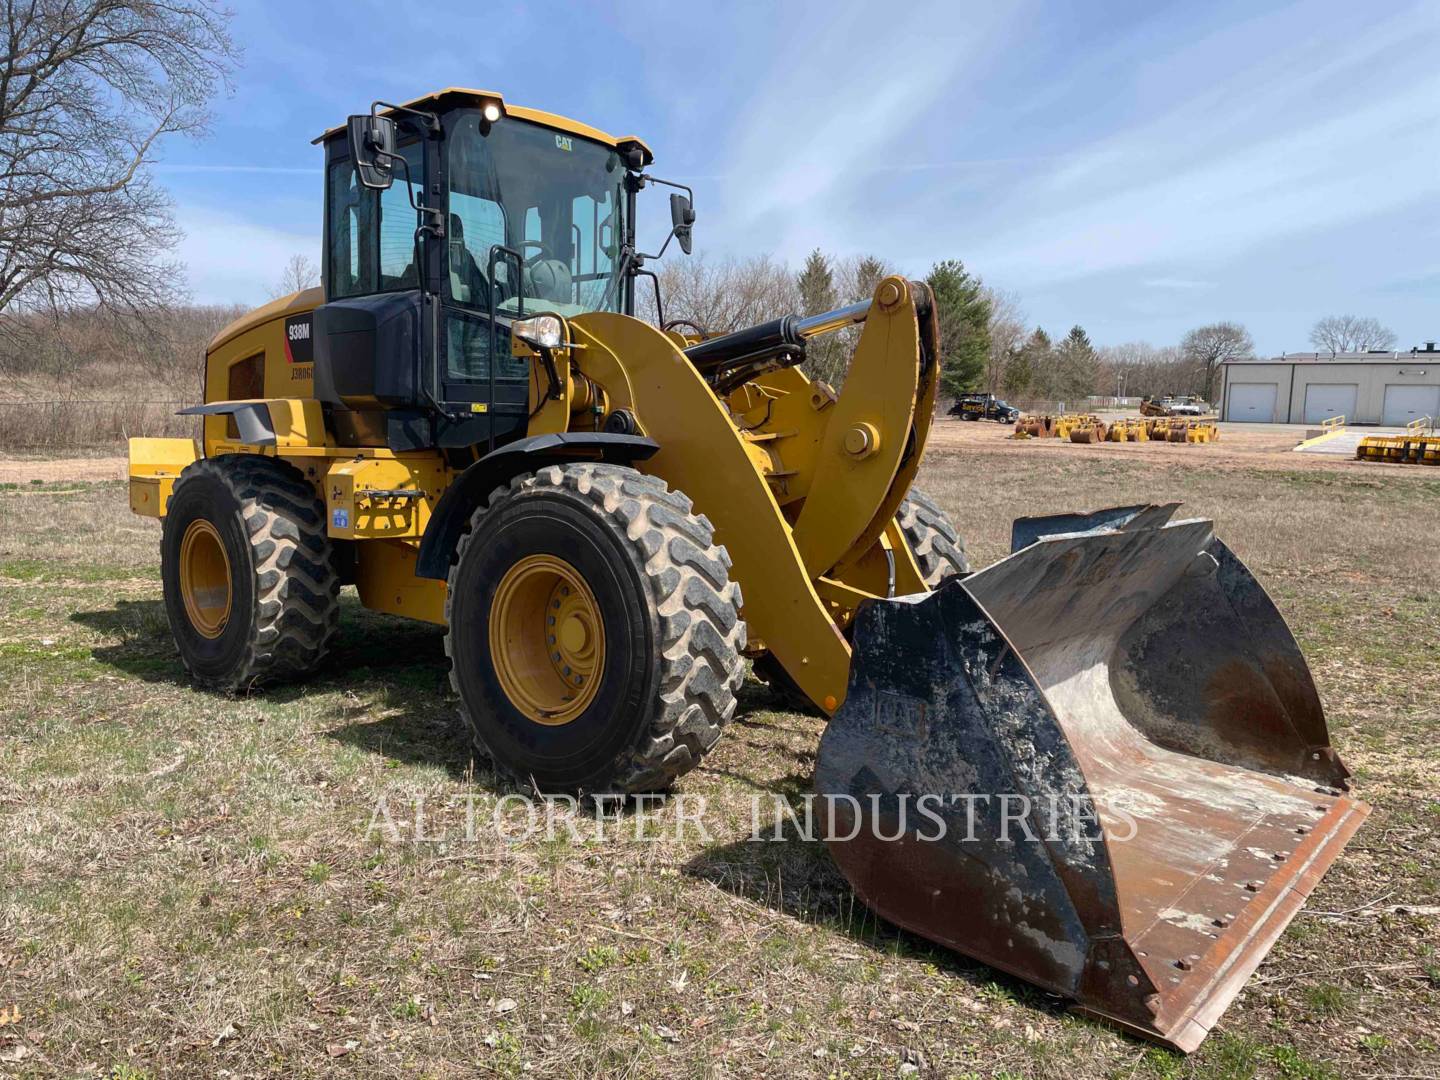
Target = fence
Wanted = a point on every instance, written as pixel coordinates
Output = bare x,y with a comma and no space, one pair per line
80,424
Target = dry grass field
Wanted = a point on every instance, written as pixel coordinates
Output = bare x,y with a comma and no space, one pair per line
197,885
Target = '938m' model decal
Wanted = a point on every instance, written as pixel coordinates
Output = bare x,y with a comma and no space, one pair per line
298,346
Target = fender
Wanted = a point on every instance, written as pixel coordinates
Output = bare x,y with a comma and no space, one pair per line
279,422
252,419
472,486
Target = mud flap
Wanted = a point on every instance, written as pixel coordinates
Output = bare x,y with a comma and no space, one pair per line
1099,764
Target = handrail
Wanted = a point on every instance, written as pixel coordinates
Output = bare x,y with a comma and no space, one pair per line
1332,423
1422,423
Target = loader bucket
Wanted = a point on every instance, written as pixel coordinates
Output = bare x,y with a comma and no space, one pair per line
1099,764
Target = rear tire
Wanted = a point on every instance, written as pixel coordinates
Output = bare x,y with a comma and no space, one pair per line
933,539
655,638
250,586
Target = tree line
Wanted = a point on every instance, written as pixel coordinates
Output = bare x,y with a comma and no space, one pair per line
90,89
987,344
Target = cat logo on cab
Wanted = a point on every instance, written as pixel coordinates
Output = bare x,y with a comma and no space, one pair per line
562,142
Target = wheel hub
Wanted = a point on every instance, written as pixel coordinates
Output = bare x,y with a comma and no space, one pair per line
205,578
547,639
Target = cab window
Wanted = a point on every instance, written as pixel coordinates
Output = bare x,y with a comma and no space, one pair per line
399,268
370,236
349,240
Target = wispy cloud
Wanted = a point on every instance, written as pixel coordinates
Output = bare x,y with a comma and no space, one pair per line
1136,168
842,106
279,169
1204,182
234,261
1176,284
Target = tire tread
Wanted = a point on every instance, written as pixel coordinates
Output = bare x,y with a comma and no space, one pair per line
297,591
701,632
935,542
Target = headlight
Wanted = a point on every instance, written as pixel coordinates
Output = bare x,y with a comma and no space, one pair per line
543,331
491,111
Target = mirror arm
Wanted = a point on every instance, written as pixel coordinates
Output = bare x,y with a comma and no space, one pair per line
669,183
639,259
429,120
435,223
640,180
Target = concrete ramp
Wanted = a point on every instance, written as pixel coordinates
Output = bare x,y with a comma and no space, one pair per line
1343,443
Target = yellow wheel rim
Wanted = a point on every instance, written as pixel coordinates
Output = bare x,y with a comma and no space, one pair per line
205,578
547,640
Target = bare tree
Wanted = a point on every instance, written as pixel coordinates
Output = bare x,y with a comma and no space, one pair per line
1008,332
725,294
1139,369
1207,347
300,274
88,90
858,277
1351,333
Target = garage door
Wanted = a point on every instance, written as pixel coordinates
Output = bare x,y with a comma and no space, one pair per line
1252,402
1323,402
1406,403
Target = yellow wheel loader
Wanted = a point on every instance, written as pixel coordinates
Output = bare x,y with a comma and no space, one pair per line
1099,764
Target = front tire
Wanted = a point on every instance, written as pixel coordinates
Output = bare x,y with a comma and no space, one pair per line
250,586
594,632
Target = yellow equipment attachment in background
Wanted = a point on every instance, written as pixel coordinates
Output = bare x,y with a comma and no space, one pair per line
1420,445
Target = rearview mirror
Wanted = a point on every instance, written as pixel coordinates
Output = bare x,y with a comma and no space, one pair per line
372,148
682,217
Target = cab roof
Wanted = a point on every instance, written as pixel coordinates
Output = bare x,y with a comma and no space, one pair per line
458,95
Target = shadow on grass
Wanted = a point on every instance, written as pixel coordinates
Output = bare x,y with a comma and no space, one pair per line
395,671
796,877
381,666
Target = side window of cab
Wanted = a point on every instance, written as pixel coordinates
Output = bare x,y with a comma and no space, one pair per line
349,233
370,236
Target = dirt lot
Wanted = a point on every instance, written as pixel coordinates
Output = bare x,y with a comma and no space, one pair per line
29,470
1261,446
194,884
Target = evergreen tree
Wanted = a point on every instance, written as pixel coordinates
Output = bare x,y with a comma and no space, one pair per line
869,272
1078,364
964,326
826,357
816,284
1036,365
1019,373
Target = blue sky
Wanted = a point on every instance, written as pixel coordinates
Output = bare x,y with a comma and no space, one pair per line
1139,168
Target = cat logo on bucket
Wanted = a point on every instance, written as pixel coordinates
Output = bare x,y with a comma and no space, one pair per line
562,142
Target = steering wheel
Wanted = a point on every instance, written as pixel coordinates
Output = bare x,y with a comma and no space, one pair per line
543,252
675,324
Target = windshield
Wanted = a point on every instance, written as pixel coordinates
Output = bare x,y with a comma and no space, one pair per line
554,198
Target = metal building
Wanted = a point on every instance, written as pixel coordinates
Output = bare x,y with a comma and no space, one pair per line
1388,388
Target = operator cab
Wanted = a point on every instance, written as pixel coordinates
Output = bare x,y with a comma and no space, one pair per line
447,220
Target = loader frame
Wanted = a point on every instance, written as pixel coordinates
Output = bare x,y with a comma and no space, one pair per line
715,489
